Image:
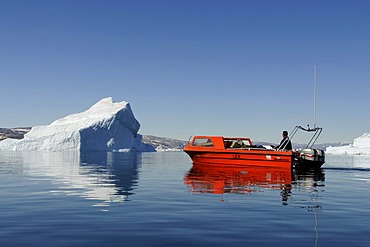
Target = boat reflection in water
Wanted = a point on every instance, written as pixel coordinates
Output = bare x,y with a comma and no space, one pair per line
221,179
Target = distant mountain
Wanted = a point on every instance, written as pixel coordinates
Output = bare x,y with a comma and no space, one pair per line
159,143
323,146
164,143
14,133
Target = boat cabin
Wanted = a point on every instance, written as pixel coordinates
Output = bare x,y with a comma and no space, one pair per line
220,142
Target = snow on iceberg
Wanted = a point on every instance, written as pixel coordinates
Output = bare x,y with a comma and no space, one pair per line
106,126
361,145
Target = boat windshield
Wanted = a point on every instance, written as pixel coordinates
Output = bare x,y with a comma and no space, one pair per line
204,142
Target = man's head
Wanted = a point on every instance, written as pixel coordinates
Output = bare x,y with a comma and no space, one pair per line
285,133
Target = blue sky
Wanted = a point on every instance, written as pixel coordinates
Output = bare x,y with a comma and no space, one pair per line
233,68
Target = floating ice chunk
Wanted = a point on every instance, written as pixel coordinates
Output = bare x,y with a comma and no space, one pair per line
106,126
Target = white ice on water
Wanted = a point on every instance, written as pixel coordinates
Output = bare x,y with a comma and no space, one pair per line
360,146
106,126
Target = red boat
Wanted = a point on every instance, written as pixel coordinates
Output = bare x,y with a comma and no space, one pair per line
241,151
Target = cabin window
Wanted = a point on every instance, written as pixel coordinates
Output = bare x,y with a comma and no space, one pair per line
203,142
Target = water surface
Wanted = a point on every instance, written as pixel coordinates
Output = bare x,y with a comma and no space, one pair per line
157,199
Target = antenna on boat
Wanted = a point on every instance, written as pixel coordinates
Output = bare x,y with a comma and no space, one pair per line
315,129
314,98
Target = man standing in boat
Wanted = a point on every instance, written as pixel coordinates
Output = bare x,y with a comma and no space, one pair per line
285,142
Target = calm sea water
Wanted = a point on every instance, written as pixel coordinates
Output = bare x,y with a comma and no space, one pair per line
161,199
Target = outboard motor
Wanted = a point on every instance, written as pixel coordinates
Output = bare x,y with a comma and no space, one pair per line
314,155
309,157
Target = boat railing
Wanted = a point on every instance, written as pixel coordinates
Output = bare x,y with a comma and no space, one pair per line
312,141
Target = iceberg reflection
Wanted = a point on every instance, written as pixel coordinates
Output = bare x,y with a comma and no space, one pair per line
361,162
101,176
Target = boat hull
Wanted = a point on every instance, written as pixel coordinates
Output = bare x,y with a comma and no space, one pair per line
243,157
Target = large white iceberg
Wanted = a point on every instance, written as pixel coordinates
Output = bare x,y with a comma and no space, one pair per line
361,145
106,126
